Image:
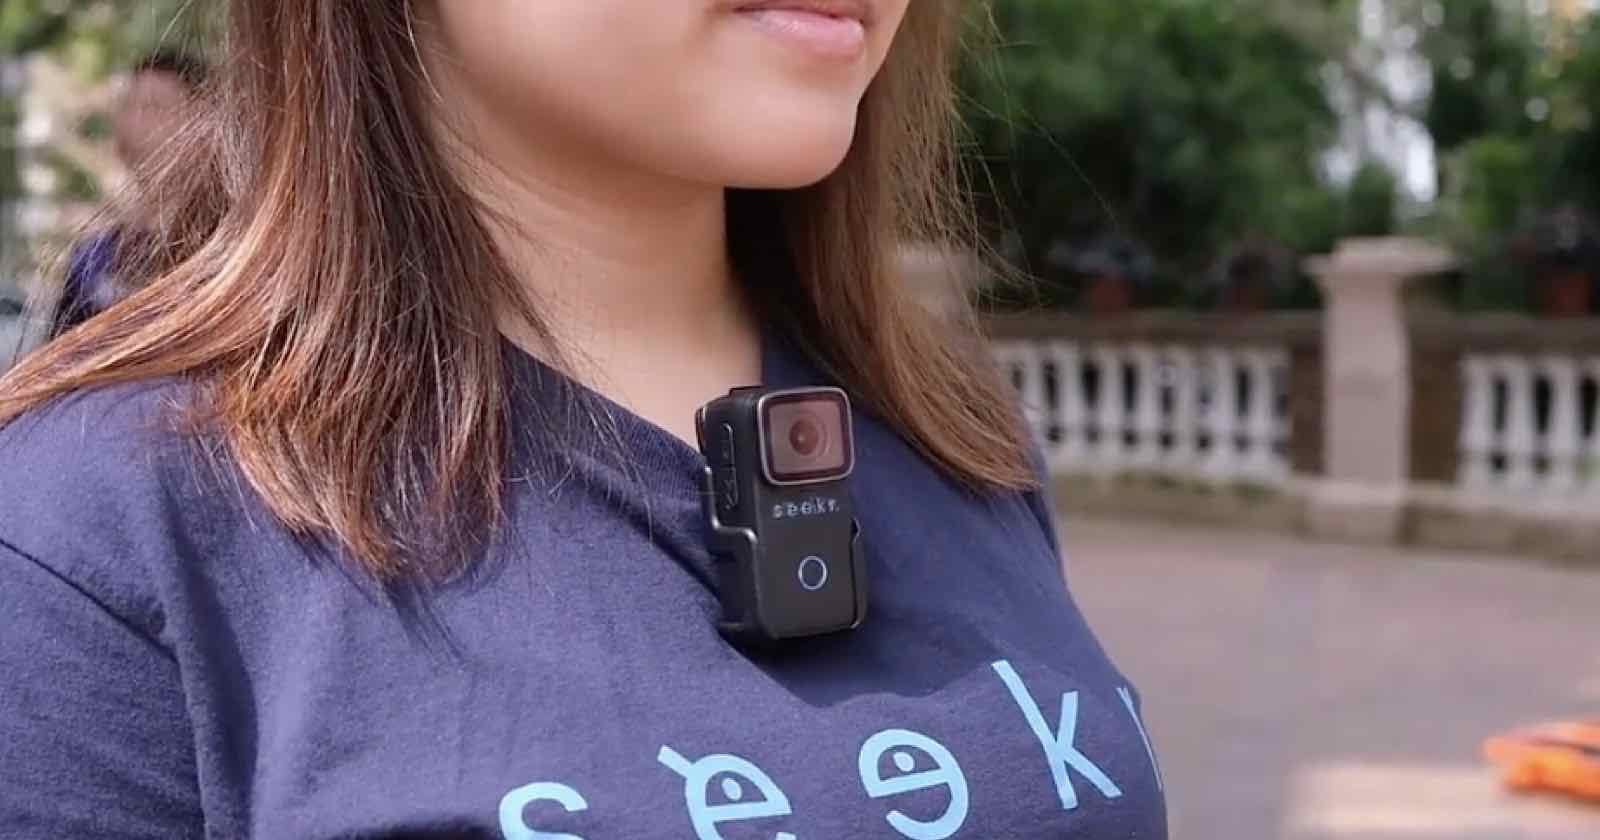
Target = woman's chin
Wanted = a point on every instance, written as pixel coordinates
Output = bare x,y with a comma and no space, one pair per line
785,163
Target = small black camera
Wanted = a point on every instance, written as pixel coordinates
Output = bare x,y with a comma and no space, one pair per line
779,514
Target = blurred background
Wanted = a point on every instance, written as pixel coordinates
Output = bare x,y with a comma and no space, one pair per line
1307,333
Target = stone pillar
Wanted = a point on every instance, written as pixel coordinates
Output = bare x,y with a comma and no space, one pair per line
1367,386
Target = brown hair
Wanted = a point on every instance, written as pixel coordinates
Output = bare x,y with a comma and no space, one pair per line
330,288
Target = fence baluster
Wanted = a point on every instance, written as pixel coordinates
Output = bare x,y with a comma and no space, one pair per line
1185,418
1223,416
1260,424
1521,444
1562,444
1147,406
1589,459
1477,423
1110,410
1072,420
1283,424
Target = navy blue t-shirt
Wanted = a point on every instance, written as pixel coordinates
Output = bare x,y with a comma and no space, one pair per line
174,664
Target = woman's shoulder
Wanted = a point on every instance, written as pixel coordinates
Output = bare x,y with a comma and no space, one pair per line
108,435
95,487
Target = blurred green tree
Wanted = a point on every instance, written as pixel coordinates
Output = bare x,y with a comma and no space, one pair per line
1183,125
1512,112
98,36
1485,59
93,38
1574,119
1370,202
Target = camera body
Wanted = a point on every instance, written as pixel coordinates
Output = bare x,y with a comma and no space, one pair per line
779,515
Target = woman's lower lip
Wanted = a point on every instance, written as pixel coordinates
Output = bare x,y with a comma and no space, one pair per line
824,35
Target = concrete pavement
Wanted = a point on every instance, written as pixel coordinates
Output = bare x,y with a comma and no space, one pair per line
1322,692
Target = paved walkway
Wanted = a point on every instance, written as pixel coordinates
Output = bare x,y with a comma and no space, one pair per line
1318,692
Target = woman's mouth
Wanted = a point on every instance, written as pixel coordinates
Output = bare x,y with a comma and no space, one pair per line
832,29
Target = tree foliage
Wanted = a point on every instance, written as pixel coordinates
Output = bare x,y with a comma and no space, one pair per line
98,36
1183,125
92,37
1513,112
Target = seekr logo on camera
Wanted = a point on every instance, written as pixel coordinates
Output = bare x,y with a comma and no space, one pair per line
814,506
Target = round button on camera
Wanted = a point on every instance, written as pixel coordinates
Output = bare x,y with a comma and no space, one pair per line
813,573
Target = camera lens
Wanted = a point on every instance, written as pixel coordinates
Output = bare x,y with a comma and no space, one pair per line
807,437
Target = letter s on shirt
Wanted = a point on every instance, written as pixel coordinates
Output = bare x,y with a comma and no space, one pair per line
512,822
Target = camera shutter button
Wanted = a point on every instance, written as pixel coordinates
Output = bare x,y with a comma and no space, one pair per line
728,488
813,573
727,471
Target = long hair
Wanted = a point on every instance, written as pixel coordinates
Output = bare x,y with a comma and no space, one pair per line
329,287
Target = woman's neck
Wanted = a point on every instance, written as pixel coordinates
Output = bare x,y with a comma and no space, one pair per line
646,259
630,271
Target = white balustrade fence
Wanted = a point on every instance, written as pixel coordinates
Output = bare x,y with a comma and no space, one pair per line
1213,413
1529,424
1205,398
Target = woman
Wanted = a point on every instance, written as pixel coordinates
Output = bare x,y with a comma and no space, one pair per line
373,513
160,88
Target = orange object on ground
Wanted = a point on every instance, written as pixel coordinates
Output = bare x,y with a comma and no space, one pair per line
1555,757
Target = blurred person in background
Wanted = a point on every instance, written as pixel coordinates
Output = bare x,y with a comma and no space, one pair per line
159,92
376,512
